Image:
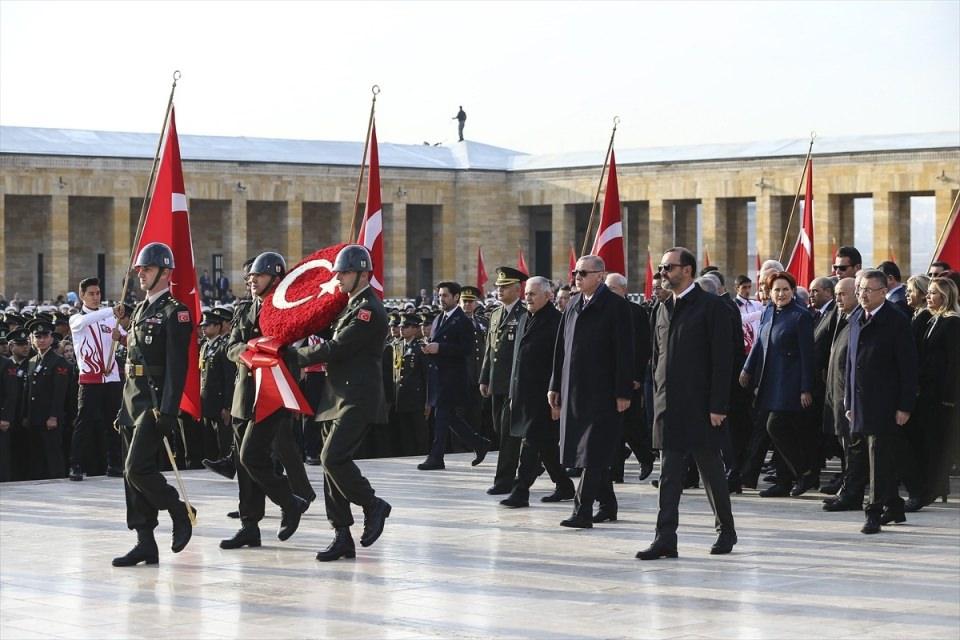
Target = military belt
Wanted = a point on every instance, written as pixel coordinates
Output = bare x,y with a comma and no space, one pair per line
139,370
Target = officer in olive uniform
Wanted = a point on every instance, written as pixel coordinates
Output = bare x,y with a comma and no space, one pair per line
158,345
48,376
469,295
495,373
256,475
410,389
352,399
14,443
217,375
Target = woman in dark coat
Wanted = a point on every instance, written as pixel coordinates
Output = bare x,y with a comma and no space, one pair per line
917,299
781,367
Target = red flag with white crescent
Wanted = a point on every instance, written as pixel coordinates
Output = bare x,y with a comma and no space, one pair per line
608,243
481,271
573,264
801,260
948,249
168,221
371,230
648,281
522,263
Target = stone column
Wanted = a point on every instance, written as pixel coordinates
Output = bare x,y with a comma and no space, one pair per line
714,227
661,228
445,242
395,251
58,265
769,226
562,221
236,240
685,224
943,201
891,229
294,231
118,258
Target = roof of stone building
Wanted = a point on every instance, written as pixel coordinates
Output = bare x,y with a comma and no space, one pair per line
453,156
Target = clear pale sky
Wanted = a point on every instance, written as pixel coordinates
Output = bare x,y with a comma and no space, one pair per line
538,77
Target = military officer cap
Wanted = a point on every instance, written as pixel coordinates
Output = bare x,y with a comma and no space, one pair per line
59,319
39,326
210,317
3,335
426,318
18,336
411,320
14,319
269,263
353,257
507,276
394,319
224,314
470,294
155,254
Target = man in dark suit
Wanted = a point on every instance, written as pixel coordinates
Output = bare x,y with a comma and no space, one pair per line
478,411
824,308
881,390
47,380
13,378
591,386
896,292
531,418
449,386
692,365
495,372
352,400
156,372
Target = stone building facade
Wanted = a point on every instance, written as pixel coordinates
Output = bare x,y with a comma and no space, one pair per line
70,202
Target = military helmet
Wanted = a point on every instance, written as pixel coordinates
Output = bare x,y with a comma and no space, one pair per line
155,254
353,257
269,263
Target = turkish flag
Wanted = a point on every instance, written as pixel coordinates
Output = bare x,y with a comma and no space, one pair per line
801,260
609,241
169,222
706,257
481,271
371,230
648,282
948,250
573,264
522,263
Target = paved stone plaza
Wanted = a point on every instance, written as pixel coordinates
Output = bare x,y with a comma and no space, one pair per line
452,563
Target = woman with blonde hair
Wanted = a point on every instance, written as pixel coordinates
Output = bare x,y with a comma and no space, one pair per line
937,404
917,299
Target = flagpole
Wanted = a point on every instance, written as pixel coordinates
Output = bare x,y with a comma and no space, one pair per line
596,198
375,89
796,199
954,210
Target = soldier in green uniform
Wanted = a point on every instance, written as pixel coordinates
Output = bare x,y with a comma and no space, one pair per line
352,400
410,390
13,408
156,370
48,376
495,373
217,375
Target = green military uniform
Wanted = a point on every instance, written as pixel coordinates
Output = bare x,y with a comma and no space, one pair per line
495,372
410,393
352,399
217,377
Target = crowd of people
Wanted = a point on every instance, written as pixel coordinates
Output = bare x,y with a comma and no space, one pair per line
862,365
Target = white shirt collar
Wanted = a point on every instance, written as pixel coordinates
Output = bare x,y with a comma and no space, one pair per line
874,312
153,298
509,307
687,290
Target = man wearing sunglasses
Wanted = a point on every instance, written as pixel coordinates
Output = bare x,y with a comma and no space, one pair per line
692,370
848,262
591,386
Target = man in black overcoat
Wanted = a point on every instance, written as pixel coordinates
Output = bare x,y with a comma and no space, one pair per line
591,385
692,369
531,417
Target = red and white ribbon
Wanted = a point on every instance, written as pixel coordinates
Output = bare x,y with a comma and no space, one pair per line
275,387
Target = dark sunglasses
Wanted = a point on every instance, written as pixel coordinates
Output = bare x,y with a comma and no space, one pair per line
842,267
667,268
581,272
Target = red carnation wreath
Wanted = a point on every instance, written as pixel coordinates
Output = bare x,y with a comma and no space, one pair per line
306,301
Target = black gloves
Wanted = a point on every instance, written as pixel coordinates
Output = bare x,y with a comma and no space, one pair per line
166,424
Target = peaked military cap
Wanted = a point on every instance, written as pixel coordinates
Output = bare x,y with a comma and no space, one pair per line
508,275
39,326
19,336
470,293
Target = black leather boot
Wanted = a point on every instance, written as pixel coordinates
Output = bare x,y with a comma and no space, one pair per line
247,536
145,551
182,528
224,466
375,516
341,547
291,518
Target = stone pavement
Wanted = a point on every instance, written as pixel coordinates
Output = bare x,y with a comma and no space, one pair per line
452,563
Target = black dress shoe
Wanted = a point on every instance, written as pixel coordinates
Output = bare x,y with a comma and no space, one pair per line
776,491
842,504
576,522
182,527
114,472
603,515
832,488
655,552
312,461
515,502
76,474
233,514
291,518
896,515
734,486
248,536
646,468
912,505
224,467
497,490
374,517
724,543
806,482
481,453
872,525
560,494
144,551
655,484
431,465
341,547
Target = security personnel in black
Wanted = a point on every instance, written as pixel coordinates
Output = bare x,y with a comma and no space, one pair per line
158,345
217,375
48,376
469,295
256,474
14,442
352,399
495,373
410,389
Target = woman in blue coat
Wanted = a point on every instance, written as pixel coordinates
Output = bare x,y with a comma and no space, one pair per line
780,367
